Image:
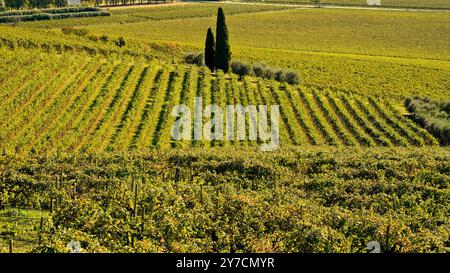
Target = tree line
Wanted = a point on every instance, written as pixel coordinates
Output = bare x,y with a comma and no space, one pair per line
217,53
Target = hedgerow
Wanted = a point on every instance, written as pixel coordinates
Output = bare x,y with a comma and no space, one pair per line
264,71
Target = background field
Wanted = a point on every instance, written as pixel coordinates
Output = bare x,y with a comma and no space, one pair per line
358,51
90,104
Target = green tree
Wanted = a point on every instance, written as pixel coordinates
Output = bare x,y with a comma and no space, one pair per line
15,4
210,50
223,53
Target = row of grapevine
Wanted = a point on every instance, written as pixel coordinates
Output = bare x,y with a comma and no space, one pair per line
318,121
268,99
128,122
142,133
380,125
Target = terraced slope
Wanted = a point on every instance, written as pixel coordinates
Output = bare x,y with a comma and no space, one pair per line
67,103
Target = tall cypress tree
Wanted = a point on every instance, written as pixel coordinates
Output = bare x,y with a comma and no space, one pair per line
210,50
223,54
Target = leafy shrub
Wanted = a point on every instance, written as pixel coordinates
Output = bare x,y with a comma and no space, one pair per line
258,70
194,58
432,115
72,10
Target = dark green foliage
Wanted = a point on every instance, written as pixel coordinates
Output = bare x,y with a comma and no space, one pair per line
432,115
223,53
104,38
210,50
39,4
316,2
292,77
280,75
76,31
61,3
194,58
120,42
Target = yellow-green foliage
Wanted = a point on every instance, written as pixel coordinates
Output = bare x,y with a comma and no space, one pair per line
84,122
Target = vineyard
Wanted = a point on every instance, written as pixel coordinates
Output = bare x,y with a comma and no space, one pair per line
93,104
